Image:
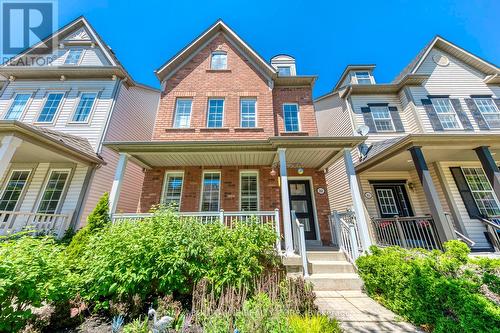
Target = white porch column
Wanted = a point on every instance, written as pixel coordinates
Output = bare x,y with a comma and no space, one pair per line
285,202
114,194
357,201
7,150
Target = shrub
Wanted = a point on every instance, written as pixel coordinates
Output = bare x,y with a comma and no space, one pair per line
440,291
261,315
318,323
137,326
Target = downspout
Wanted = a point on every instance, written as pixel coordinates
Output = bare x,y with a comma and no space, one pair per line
83,197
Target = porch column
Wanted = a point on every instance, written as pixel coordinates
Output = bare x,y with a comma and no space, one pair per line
490,168
357,201
443,226
285,202
114,194
7,150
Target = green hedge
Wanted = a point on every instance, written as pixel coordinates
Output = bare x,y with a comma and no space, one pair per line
442,292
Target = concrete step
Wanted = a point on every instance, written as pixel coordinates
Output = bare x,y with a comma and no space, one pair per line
327,266
335,281
325,255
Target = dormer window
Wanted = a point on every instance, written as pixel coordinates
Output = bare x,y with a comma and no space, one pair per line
73,57
284,71
219,60
363,78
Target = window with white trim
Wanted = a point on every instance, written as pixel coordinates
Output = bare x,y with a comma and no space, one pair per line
74,56
13,189
210,194
446,113
284,71
50,108
17,107
53,191
248,112
387,201
249,191
291,117
215,112
382,118
363,78
481,189
183,113
84,107
219,60
489,111
172,190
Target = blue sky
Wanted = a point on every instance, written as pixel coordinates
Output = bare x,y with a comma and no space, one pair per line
323,36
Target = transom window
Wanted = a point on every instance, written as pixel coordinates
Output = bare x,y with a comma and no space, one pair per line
215,112
363,78
183,113
249,193
291,116
248,114
446,113
53,191
219,60
84,107
50,108
387,201
73,57
17,107
284,71
489,111
210,192
382,118
482,191
13,189
172,190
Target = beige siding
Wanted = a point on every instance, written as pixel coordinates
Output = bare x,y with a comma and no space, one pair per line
339,193
332,117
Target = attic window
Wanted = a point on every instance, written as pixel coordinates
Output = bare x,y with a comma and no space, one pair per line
363,78
284,71
73,57
219,60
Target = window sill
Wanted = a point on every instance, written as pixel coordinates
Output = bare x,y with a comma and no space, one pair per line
218,71
78,123
214,129
249,129
294,133
180,129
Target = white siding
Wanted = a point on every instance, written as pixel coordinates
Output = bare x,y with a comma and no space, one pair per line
90,57
332,117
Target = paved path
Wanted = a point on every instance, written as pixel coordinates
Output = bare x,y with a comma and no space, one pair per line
359,313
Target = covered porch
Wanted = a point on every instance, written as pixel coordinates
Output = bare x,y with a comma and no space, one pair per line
422,190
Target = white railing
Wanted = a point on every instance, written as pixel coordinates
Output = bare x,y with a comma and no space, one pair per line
12,222
492,225
299,242
345,235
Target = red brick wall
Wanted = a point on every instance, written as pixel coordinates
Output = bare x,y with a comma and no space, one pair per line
303,97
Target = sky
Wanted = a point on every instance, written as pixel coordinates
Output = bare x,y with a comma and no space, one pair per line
323,36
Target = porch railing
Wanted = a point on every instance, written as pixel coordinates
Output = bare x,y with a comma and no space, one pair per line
299,242
408,232
345,234
492,225
12,222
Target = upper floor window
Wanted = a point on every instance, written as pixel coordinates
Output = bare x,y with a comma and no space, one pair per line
446,113
73,57
17,107
489,111
248,114
84,107
382,118
219,60
50,108
363,78
183,113
172,190
291,117
215,112
284,71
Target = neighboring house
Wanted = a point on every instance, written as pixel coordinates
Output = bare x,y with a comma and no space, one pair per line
236,136
433,138
53,120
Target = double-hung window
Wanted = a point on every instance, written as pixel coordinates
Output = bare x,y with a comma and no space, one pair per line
291,117
13,189
183,113
481,189
215,112
73,57
172,190
17,107
210,193
53,191
249,193
489,111
248,113
382,118
219,60
446,113
84,107
50,108
363,78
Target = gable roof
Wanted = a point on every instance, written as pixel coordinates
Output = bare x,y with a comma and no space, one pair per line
349,68
453,49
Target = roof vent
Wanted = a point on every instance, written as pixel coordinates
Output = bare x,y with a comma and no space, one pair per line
441,60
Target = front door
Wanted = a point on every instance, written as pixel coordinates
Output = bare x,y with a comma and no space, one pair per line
301,203
392,199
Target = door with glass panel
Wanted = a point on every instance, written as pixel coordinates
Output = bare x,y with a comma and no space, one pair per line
392,199
301,203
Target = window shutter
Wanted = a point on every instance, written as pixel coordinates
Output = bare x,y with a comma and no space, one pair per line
465,193
368,118
481,123
461,114
396,119
431,113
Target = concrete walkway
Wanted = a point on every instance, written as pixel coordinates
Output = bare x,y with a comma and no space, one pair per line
359,313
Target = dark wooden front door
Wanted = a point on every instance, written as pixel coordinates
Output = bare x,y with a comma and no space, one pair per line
392,199
301,202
